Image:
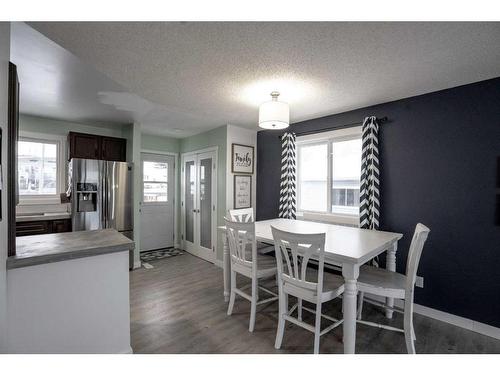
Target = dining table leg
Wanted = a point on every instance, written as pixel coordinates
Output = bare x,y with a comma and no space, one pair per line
350,272
226,266
390,265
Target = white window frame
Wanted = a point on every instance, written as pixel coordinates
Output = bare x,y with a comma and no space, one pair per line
60,142
143,182
326,138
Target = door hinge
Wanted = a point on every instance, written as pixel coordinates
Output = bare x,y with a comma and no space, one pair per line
213,208
213,248
182,237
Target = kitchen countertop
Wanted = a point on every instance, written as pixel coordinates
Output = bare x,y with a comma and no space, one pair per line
42,217
58,247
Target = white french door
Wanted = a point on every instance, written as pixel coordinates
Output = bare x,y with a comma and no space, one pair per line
198,203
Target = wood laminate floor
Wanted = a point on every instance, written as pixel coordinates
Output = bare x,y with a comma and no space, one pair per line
178,307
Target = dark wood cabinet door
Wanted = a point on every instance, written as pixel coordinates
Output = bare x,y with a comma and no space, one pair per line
84,146
113,149
30,228
61,226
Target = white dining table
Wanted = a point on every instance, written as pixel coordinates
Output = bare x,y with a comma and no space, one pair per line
346,247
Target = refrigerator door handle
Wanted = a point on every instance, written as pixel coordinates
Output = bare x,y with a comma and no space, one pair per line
102,174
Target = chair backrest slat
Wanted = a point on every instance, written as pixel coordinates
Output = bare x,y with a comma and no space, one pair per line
240,235
417,245
243,215
295,250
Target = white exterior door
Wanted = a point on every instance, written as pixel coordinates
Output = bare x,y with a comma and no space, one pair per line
158,196
198,203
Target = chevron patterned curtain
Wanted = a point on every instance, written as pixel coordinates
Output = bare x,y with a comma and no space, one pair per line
369,196
288,201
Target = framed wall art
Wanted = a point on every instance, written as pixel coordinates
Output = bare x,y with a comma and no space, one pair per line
242,159
242,191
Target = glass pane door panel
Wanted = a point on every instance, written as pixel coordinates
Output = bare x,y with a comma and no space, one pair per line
154,171
189,199
206,202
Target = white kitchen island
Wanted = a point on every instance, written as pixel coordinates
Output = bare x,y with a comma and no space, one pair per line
69,293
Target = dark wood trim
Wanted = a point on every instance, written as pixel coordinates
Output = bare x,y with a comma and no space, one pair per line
232,158
234,189
13,134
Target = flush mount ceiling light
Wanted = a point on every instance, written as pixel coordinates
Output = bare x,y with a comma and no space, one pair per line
274,114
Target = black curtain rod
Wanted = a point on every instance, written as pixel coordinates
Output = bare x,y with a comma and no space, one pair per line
380,121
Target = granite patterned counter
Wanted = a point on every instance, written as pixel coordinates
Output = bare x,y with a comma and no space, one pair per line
57,247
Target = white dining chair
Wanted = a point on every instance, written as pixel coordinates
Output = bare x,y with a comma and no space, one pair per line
384,283
244,215
296,278
247,262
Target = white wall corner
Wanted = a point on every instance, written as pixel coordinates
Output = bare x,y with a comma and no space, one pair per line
245,136
4,79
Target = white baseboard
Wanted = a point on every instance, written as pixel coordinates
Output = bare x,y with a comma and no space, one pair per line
471,325
218,263
137,264
127,351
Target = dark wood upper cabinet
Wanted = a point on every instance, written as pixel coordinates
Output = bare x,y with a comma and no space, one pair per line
84,146
90,146
114,149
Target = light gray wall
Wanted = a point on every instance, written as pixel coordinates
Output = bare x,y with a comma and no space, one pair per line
4,78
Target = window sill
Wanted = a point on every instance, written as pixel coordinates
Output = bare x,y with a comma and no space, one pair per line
351,220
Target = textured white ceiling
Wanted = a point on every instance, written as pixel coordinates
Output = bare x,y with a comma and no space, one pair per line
196,76
56,84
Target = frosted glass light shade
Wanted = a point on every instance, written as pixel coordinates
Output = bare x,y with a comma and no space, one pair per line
274,115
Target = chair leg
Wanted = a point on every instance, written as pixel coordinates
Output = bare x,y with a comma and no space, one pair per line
283,309
299,309
233,294
317,328
253,305
408,328
361,297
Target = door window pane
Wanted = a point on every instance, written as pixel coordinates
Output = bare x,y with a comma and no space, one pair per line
189,199
155,181
206,203
346,171
313,164
155,171
37,168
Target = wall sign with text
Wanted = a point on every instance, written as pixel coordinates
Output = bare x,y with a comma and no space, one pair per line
242,191
242,159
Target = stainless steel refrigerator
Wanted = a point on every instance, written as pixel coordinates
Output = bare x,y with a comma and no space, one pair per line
101,195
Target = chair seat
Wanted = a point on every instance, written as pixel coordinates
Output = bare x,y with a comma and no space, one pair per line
381,282
333,286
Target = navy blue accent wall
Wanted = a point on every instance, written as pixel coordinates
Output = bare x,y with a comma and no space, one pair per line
438,156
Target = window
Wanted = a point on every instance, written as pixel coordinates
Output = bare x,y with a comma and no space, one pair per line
40,168
329,169
155,180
